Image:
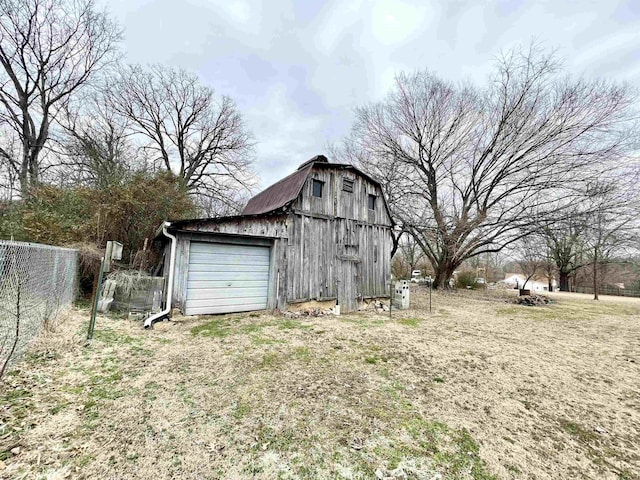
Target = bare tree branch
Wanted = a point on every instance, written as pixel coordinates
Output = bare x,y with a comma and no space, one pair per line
201,140
468,171
48,50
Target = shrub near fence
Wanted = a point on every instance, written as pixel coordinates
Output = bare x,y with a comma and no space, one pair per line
36,283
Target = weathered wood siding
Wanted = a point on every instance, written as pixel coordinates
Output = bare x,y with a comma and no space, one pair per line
265,226
337,258
338,247
336,202
311,259
374,273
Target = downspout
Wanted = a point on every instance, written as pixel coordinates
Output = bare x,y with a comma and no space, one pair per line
148,323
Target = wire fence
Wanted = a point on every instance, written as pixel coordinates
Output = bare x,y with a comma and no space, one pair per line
621,292
36,283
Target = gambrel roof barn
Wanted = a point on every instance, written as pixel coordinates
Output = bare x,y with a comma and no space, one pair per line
323,233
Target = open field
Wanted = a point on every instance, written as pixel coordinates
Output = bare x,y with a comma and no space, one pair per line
480,389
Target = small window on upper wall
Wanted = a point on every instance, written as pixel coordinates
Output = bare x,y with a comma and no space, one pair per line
316,189
372,202
347,184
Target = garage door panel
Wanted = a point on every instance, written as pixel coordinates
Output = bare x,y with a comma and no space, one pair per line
252,283
227,292
227,258
226,278
212,310
217,267
226,248
260,302
224,275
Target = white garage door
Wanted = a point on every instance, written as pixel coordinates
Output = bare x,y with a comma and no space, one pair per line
226,278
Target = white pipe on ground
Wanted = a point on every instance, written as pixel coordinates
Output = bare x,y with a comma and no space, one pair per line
148,323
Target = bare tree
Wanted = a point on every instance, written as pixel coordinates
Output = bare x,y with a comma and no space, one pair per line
212,207
564,238
530,257
48,50
96,144
200,139
598,228
549,268
471,168
614,223
410,251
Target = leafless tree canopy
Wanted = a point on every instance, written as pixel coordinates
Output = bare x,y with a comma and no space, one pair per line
612,226
565,242
410,252
601,227
531,256
466,169
95,147
200,139
48,50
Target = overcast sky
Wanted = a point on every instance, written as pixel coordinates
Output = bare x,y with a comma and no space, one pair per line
297,69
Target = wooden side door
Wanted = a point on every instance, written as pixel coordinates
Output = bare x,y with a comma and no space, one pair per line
348,261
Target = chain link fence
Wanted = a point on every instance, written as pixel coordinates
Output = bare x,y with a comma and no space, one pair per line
36,283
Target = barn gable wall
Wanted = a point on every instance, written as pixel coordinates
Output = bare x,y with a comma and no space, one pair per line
336,202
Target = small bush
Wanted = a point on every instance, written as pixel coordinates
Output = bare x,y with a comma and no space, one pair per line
127,212
466,280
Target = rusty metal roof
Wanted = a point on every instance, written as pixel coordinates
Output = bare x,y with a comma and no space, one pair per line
282,193
279,194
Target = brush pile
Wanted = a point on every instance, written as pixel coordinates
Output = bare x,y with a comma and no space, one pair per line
533,300
311,312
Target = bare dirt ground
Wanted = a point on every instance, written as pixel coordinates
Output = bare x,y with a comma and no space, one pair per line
481,388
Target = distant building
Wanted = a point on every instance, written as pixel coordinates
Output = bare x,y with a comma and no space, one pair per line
535,284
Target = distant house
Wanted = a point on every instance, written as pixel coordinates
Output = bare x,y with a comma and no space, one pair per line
537,283
321,234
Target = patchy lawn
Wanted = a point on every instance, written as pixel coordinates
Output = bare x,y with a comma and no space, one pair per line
480,388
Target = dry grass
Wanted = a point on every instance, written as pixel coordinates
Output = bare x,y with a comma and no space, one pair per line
479,389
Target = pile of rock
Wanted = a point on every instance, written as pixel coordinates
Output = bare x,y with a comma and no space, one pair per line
311,312
376,305
533,300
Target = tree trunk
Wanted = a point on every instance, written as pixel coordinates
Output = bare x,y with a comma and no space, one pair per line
29,171
564,281
595,274
396,243
24,171
34,170
443,273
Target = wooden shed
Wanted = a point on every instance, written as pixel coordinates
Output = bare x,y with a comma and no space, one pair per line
321,234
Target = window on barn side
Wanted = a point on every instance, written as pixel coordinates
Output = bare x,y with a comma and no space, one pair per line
372,202
347,184
316,189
